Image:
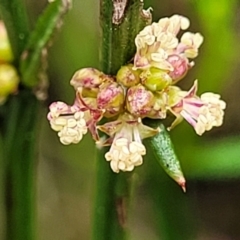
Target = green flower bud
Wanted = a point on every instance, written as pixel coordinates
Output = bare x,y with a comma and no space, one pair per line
155,79
174,95
159,110
127,76
89,92
8,80
163,100
6,54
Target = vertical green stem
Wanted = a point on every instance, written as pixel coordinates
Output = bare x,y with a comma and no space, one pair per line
19,131
112,190
19,142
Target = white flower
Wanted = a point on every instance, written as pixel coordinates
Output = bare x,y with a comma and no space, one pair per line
156,42
126,134
174,24
202,113
124,154
68,121
191,43
211,113
74,129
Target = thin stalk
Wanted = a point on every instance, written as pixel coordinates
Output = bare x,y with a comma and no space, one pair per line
20,175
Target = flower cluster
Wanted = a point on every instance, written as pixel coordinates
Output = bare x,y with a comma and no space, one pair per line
144,88
8,75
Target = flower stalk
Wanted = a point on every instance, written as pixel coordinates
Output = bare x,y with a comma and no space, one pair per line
117,48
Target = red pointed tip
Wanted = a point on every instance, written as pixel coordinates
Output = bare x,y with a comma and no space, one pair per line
182,183
183,188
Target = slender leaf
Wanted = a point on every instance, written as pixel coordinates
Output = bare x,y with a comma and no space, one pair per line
35,52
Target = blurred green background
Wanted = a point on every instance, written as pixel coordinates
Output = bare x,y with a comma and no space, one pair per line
66,174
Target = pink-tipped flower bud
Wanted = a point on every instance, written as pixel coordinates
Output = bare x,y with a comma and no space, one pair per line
155,79
180,67
8,81
127,76
110,98
139,101
6,54
87,78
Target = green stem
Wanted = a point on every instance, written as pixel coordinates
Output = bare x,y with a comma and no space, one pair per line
21,115
19,136
19,141
111,192
118,45
117,48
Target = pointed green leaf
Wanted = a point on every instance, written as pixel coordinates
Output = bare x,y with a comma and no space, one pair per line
163,150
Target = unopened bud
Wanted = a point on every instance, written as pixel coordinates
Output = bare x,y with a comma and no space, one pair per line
155,79
86,78
5,48
159,110
110,98
8,80
139,101
127,76
180,67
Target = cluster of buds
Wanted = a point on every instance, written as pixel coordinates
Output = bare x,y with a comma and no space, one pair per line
8,75
143,88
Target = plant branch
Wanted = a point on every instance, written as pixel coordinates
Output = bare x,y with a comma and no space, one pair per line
110,195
